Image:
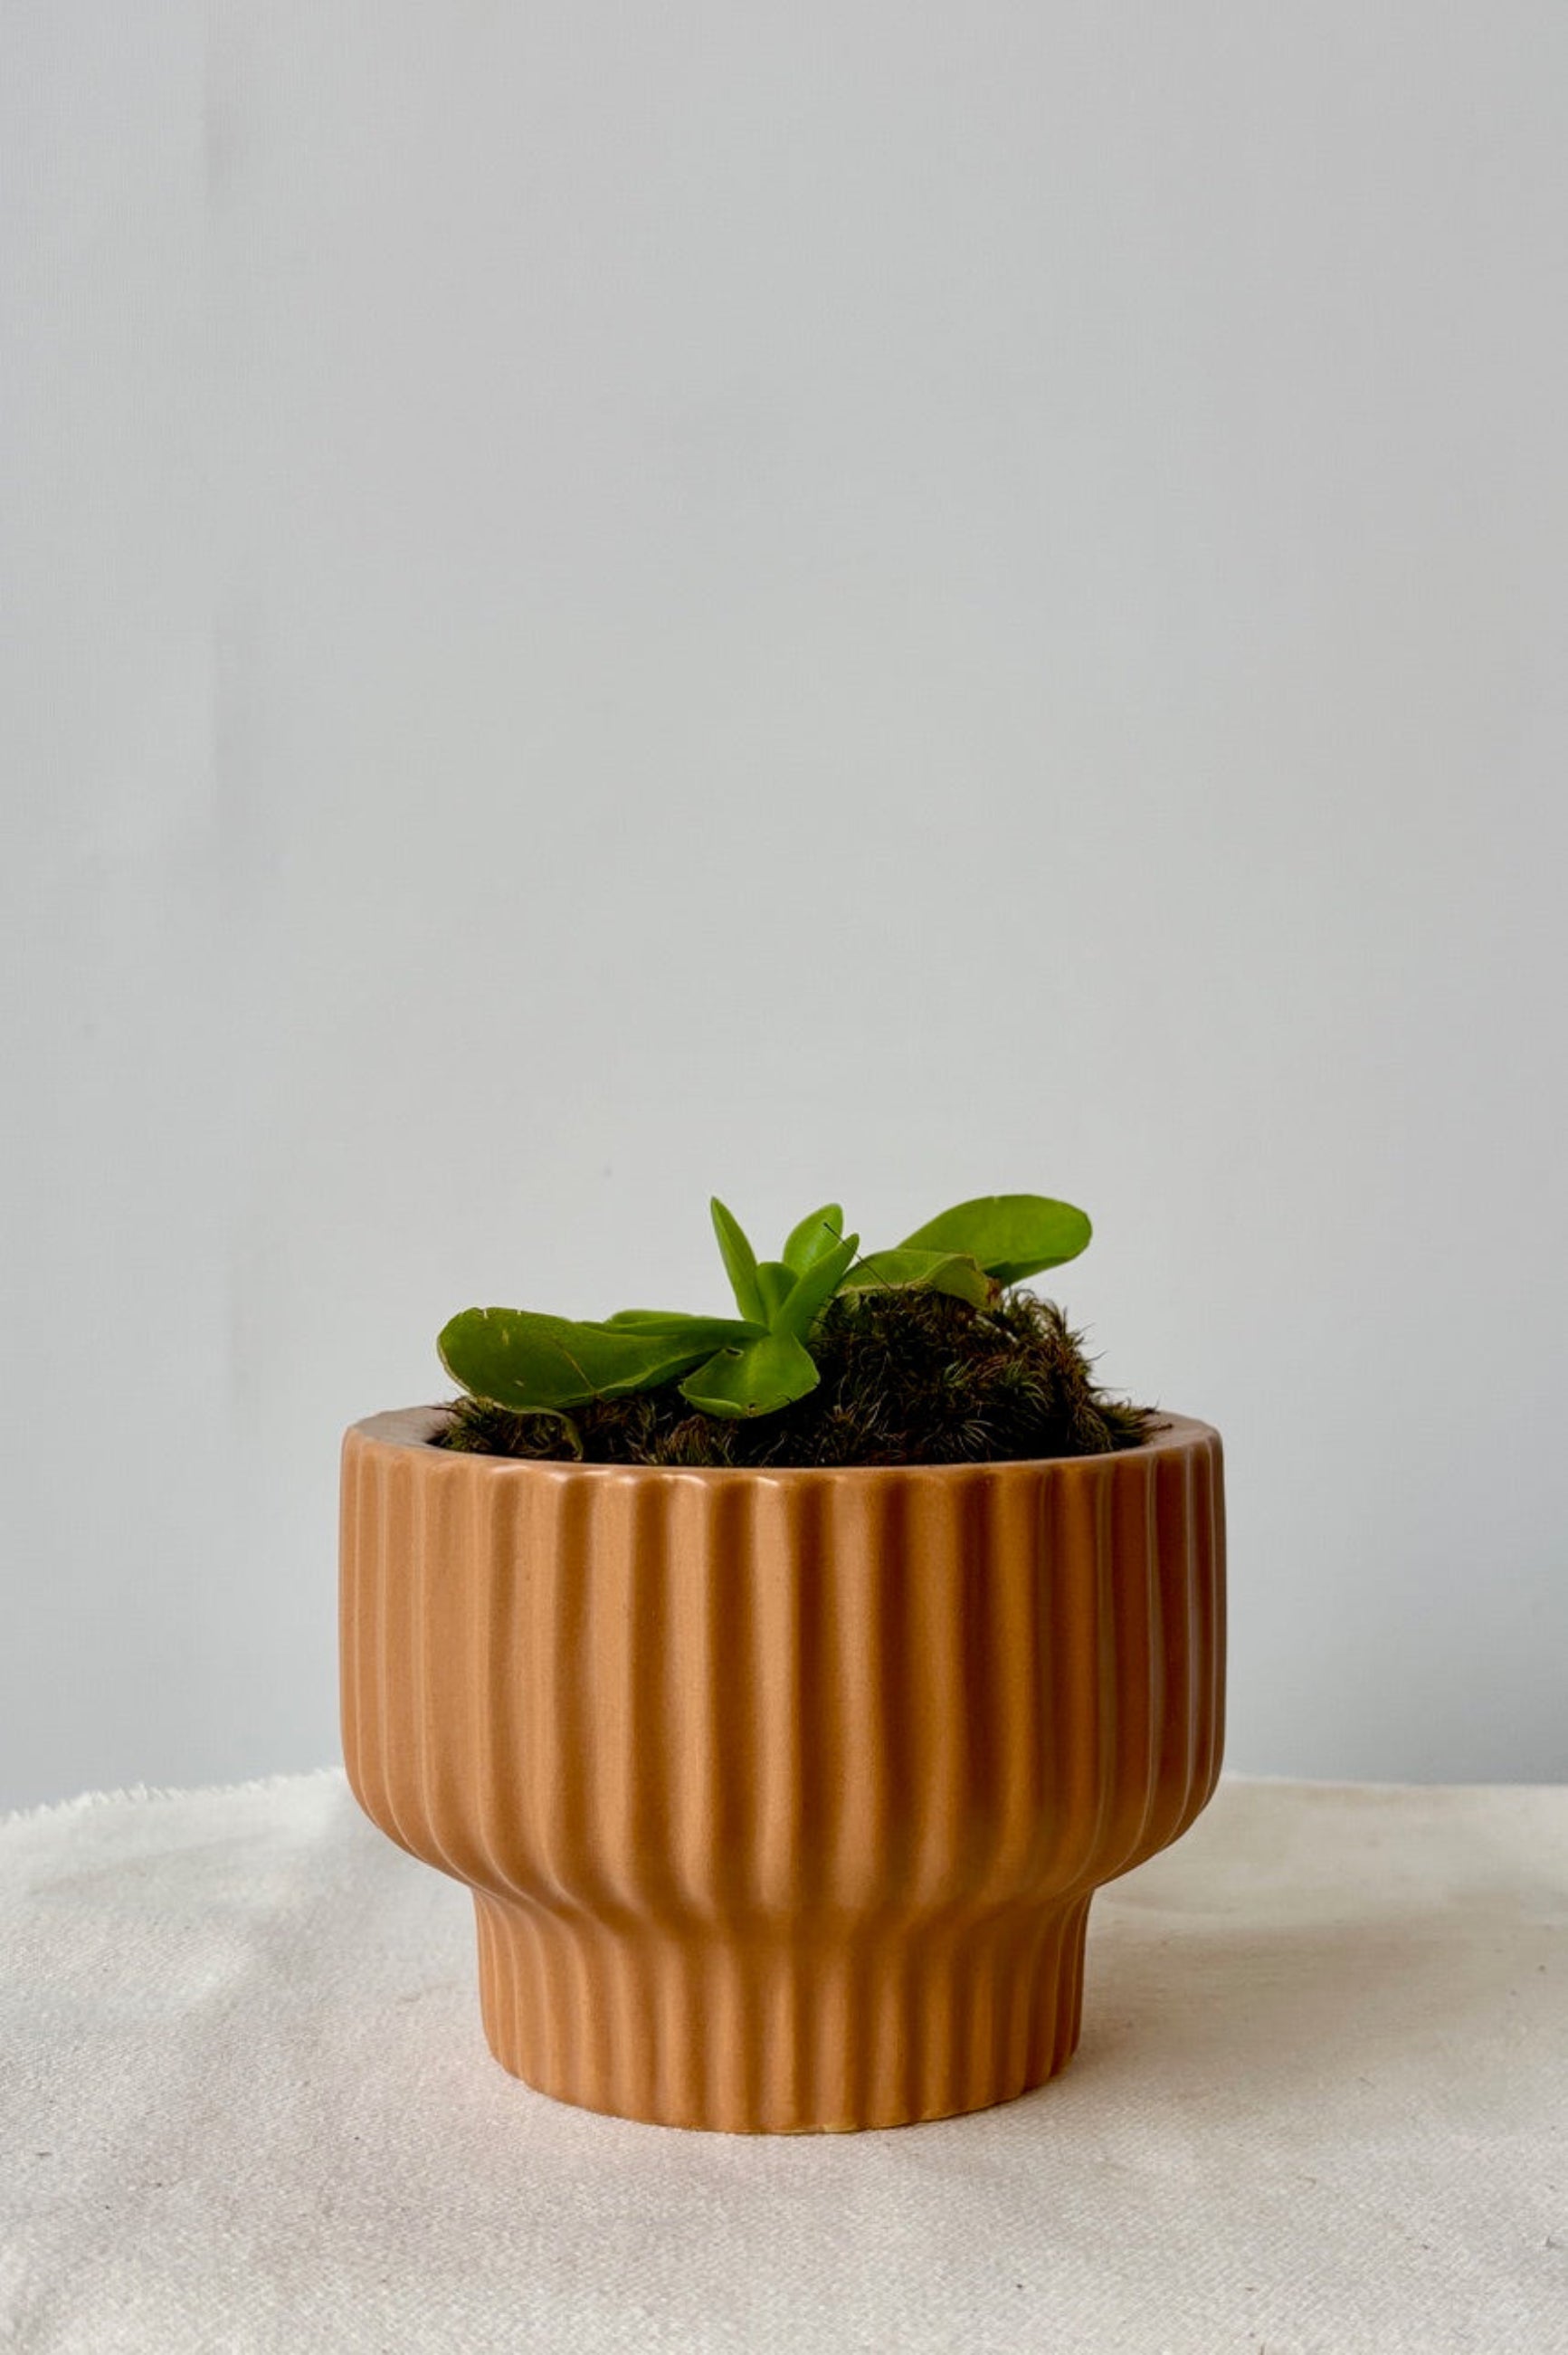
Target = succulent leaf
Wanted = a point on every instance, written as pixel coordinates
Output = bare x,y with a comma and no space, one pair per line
812,1291
518,1358
922,1271
814,1238
1010,1235
711,1332
740,1263
775,1281
758,1379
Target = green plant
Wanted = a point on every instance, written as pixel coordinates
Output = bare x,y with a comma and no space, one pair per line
906,1378
760,1361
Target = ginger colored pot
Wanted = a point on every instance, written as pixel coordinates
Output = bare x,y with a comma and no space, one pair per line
782,1795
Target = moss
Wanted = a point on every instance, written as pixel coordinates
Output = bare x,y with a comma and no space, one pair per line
906,1378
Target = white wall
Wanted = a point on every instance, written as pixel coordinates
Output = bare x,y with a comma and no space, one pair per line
604,602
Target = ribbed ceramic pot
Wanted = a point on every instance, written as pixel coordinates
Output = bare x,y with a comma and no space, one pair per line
782,1795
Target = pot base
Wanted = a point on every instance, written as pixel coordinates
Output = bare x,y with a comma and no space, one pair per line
755,2033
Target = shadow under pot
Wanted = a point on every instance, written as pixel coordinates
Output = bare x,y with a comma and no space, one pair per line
782,1795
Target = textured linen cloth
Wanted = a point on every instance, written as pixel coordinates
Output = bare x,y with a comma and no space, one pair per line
1321,2104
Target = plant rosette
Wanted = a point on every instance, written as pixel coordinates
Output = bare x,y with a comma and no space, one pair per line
783,1790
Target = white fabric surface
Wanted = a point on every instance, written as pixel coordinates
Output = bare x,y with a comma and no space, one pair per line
1318,2106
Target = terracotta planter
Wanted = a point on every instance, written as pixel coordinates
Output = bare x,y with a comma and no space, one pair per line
782,1795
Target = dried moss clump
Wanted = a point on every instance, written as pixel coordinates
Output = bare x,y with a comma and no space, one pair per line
906,1378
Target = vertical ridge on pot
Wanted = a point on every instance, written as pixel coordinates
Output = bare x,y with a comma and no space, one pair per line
1068,1571
782,1795
491,1754
1129,1550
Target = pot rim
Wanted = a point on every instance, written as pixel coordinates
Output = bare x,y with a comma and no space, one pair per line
409,1428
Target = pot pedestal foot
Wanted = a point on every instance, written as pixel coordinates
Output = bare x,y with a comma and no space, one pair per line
751,2031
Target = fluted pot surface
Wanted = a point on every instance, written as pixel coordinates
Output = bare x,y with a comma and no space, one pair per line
783,1793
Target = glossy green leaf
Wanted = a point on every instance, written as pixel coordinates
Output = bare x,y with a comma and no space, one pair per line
517,1358
814,1238
1010,1235
758,1379
775,1281
814,1290
921,1271
740,1263
708,1332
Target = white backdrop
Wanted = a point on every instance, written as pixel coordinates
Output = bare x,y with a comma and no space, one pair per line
884,599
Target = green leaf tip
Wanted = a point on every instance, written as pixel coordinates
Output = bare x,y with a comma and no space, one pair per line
739,1260
814,1238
